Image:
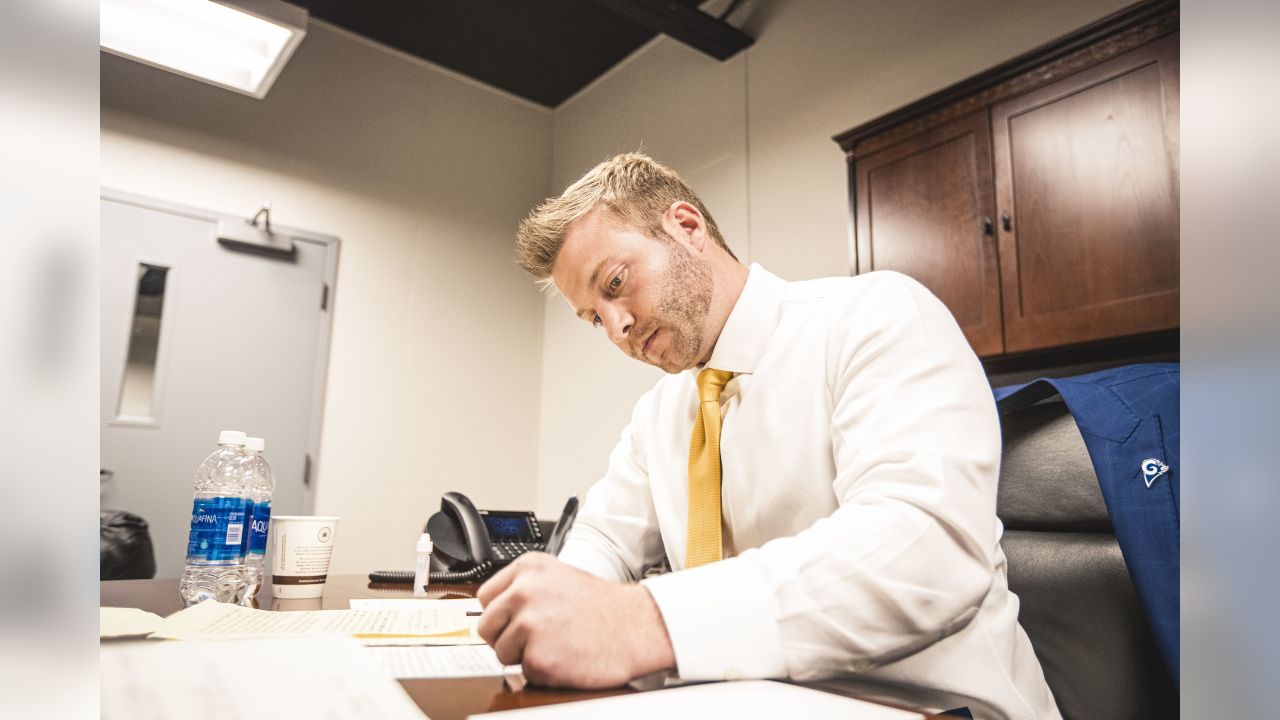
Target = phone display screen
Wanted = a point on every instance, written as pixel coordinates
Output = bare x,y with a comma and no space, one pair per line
510,526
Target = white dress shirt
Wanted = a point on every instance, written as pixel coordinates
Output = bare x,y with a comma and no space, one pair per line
860,451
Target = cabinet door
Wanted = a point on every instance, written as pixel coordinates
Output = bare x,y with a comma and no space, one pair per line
924,208
1087,177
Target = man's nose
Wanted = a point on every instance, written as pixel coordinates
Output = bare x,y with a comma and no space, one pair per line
618,324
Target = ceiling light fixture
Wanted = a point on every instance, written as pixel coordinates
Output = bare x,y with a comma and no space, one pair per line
239,45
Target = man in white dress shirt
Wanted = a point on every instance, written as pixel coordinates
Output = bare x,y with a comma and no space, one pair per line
859,454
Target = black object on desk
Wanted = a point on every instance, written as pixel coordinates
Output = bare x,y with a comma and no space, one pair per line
471,545
562,527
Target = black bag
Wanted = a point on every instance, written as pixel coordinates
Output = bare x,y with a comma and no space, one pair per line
127,553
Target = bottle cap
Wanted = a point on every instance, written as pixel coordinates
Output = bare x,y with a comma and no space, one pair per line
256,444
231,437
424,543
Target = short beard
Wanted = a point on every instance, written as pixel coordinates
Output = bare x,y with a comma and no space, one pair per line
686,303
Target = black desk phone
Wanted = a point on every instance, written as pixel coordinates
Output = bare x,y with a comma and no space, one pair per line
471,545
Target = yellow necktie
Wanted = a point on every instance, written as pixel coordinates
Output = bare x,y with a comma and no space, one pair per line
703,545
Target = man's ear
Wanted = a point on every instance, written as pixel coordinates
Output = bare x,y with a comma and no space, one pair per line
685,223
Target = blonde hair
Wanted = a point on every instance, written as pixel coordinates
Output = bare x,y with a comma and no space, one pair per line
633,187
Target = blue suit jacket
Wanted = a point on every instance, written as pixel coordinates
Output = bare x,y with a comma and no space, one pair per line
1128,417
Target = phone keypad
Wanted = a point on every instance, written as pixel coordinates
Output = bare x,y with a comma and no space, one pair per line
508,551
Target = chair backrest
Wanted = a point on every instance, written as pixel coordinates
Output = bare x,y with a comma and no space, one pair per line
1078,604
126,552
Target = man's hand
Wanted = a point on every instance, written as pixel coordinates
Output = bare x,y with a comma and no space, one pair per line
571,629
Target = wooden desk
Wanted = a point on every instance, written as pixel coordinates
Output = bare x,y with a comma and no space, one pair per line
452,699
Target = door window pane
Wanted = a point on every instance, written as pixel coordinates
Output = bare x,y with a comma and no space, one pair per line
138,388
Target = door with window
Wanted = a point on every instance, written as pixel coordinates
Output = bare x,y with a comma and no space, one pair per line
200,336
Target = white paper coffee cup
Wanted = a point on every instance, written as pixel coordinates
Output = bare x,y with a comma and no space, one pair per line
301,549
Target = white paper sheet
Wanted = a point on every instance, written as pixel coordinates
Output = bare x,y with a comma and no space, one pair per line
115,622
441,662
464,604
248,679
222,621
742,700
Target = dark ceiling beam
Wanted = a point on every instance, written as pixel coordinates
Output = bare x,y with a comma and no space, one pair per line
689,25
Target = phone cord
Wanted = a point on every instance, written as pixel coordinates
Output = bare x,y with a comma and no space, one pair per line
479,572
405,577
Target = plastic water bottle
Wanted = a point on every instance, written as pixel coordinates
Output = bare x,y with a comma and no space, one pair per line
261,485
215,551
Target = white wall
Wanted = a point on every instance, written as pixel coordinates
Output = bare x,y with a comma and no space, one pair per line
423,176
753,137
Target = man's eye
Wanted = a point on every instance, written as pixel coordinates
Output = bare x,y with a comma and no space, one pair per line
615,283
596,321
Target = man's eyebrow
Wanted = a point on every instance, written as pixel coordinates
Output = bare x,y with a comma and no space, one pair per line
595,274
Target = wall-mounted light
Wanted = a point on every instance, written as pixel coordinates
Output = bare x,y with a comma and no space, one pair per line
239,45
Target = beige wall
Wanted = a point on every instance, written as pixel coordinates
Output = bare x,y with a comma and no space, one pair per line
753,136
423,176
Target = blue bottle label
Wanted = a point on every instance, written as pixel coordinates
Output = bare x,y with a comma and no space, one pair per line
248,525
258,523
217,531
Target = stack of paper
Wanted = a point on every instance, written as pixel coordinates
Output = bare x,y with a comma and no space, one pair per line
434,662
469,605
127,622
281,678
440,662
434,623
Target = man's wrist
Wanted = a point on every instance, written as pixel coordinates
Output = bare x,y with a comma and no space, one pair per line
654,652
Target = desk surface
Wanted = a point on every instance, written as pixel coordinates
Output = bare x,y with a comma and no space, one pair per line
451,699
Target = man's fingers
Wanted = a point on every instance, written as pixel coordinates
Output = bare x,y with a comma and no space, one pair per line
496,584
495,618
510,643
534,676
525,596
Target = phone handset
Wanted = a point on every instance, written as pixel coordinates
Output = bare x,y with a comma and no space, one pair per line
463,549
459,533
470,544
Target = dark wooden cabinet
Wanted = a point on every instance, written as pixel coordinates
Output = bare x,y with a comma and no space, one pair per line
925,208
1038,201
1087,172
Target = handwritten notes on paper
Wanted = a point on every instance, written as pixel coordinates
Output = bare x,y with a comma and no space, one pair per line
428,625
441,662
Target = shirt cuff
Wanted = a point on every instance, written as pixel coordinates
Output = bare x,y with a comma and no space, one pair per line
721,620
586,549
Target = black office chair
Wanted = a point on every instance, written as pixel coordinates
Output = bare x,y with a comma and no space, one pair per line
125,550
1078,604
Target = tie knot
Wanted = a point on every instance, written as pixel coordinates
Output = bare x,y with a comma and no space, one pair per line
711,383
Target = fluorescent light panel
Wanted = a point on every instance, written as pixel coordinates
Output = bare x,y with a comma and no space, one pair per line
205,40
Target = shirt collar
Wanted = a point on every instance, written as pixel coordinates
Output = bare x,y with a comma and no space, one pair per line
746,334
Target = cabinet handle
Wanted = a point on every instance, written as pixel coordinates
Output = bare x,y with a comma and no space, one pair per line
987,227
1006,222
